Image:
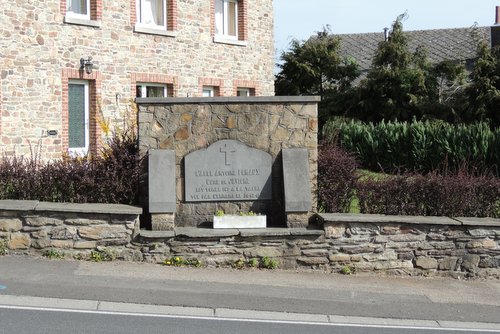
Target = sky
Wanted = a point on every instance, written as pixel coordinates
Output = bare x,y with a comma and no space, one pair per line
300,19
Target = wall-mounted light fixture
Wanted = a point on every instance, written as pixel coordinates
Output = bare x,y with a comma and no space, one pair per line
86,64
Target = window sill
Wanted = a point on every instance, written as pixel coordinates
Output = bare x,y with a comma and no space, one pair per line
230,41
153,31
82,22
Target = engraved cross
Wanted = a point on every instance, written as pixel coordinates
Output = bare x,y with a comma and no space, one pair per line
226,150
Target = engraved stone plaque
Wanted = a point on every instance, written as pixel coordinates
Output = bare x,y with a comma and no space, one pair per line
228,170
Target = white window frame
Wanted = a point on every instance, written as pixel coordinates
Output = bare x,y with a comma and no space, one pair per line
208,91
243,91
79,151
144,88
222,18
151,26
72,14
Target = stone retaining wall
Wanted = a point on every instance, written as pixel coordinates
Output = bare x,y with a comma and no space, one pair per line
73,229
401,245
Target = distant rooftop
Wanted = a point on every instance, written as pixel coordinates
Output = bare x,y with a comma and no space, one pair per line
454,44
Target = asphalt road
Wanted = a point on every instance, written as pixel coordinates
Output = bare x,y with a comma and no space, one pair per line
26,321
247,294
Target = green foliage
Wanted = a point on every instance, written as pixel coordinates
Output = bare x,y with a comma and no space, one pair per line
178,261
3,246
482,96
53,253
269,263
311,67
102,254
219,213
396,85
253,263
111,177
417,146
348,270
315,67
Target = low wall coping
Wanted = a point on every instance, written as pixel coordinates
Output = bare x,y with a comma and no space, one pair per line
21,205
418,220
196,232
230,99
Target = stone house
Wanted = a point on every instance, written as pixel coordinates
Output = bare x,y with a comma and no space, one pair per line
67,64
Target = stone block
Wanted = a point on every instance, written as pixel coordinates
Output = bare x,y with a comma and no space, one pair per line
297,220
448,263
296,180
64,244
19,241
63,233
85,244
263,251
339,258
162,187
313,260
470,262
315,252
426,263
42,221
10,224
100,232
162,221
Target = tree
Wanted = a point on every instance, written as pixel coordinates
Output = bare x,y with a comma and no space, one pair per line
315,67
396,84
483,93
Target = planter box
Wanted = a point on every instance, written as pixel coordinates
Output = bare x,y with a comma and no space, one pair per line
229,221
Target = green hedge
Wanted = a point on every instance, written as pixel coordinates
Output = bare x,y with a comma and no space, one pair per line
417,146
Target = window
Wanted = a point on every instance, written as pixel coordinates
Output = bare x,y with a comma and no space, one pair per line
226,18
79,9
151,90
208,91
78,117
152,13
243,91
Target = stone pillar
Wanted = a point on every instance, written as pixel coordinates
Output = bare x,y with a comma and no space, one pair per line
297,185
162,189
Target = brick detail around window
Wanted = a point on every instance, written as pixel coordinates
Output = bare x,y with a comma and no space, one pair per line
95,131
170,81
171,14
250,84
218,85
95,9
242,19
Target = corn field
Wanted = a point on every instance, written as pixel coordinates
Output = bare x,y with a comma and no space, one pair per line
418,145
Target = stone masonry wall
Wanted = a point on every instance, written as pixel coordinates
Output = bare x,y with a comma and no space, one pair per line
408,246
269,124
74,229
36,46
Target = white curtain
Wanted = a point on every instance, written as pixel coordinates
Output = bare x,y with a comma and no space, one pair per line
78,6
152,12
219,17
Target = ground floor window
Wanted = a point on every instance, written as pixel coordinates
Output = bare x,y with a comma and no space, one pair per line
151,90
208,91
240,91
78,117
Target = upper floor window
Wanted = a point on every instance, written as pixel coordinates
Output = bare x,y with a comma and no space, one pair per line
226,18
79,9
152,13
